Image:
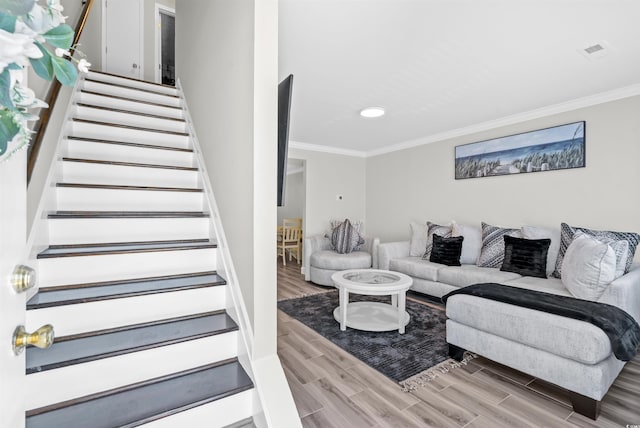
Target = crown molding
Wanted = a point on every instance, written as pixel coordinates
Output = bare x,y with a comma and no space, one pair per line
591,100
326,149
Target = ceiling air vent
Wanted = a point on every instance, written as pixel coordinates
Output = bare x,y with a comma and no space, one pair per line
595,50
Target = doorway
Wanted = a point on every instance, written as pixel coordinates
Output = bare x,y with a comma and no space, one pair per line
295,195
165,45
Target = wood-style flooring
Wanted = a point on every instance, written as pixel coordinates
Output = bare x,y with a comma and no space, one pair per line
331,388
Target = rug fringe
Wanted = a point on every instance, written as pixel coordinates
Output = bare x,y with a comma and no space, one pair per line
422,378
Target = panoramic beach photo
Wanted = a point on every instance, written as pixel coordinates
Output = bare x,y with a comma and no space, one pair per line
549,149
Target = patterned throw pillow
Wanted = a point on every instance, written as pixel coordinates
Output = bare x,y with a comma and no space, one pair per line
492,251
446,251
567,233
345,238
444,231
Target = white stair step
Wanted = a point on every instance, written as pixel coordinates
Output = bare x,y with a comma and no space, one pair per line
133,83
117,151
129,174
123,117
102,130
126,369
59,271
219,413
130,93
85,228
106,199
105,314
111,101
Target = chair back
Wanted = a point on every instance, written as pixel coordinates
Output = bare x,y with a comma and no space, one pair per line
291,234
292,222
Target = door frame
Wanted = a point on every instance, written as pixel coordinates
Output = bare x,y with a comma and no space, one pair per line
160,8
103,24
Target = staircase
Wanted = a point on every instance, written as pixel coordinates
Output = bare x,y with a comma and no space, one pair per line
129,276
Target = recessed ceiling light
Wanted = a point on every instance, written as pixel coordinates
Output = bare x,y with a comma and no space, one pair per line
372,112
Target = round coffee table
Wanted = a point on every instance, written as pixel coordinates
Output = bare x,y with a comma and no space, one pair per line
372,316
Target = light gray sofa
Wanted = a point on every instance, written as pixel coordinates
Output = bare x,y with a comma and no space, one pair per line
572,354
320,261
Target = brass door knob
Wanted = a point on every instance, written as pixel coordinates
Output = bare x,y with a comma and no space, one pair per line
41,338
23,278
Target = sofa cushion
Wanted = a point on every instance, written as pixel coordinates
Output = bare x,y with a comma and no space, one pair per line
569,338
588,267
566,236
527,257
418,242
534,232
330,259
464,275
432,228
546,285
416,267
492,251
472,242
446,250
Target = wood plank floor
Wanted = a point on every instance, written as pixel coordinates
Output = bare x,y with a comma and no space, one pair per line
331,388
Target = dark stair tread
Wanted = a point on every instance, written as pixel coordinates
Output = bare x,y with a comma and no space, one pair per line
123,247
84,91
82,293
131,127
123,187
104,344
134,79
125,143
135,113
147,401
120,85
127,214
132,164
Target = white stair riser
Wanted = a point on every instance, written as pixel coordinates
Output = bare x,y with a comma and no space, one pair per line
217,414
89,173
100,230
131,93
114,133
87,199
118,103
127,369
121,118
104,314
58,271
118,153
132,83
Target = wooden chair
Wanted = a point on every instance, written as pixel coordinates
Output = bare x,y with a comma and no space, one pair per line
292,222
289,240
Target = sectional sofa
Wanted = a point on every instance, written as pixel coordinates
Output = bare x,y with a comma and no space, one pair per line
570,353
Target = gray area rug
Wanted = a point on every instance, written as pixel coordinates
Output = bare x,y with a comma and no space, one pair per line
411,359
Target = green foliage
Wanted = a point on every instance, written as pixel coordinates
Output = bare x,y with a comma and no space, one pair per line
43,66
7,22
60,36
5,86
8,129
64,70
16,7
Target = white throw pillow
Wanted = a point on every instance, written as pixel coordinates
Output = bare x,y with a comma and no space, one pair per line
533,232
588,267
471,244
418,239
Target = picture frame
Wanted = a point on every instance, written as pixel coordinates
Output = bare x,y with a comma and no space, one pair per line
547,149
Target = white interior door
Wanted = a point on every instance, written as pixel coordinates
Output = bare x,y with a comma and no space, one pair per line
123,37
13,216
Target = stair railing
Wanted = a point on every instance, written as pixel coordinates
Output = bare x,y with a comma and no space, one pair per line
52,97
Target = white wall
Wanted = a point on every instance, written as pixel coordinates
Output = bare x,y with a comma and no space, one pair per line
418,184
294,197
328,175
230,82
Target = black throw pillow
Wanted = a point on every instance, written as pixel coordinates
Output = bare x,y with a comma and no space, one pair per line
527,257
446,251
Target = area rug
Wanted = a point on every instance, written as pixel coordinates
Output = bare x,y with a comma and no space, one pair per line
411,359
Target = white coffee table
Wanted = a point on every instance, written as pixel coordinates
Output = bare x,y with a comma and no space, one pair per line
372,316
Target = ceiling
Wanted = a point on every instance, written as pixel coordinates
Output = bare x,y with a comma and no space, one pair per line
438,66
